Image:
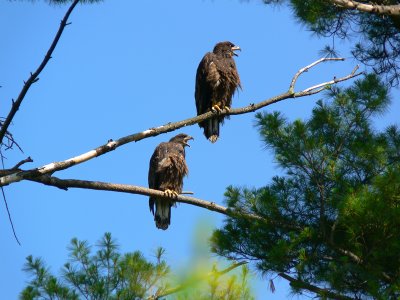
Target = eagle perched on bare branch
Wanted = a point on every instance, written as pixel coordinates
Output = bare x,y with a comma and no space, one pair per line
166,171
217,80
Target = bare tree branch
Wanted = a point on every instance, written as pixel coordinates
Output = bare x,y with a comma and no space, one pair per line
196,280
10,141
24,161
65,184
34,76
321,86
324,293
14,169
306,68
112,145
370,7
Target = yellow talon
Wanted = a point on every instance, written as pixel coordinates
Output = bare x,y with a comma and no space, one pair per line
170,193
216,108
227,108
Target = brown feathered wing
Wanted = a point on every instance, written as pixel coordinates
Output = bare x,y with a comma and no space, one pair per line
216,81
166,171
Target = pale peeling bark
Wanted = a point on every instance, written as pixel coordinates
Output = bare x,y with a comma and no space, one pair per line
393,10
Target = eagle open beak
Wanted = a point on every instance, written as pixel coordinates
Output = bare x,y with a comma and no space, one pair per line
235,48
188,138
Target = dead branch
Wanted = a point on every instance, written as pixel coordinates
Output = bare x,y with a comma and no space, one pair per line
320,86
34,76
10,141
306,68
24,161
14,169
370,7
112,145
65,184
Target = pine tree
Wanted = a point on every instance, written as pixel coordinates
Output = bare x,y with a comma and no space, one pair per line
331,224
108,274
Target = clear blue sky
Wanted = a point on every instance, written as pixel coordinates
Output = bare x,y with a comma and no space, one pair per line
122,67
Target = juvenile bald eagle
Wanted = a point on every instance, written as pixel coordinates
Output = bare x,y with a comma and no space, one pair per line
217,80
166,171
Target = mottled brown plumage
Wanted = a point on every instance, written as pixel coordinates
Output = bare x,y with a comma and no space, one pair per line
217,80
166,171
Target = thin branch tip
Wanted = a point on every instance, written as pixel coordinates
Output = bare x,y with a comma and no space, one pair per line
26,160
187,193
355,69
306,68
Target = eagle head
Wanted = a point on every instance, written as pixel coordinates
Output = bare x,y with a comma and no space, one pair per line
226,49
182,138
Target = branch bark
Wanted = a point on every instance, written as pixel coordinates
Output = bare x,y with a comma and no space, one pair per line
393,10
34,76
112,145
65,184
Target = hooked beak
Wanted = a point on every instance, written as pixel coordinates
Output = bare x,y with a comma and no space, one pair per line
188,138
235,48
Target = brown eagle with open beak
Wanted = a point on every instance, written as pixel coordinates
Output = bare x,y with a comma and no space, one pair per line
166,171
217,79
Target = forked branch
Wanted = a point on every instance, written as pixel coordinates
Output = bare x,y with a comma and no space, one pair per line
306,68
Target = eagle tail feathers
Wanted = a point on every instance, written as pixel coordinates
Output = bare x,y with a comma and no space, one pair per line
162,216
213,138
211,129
